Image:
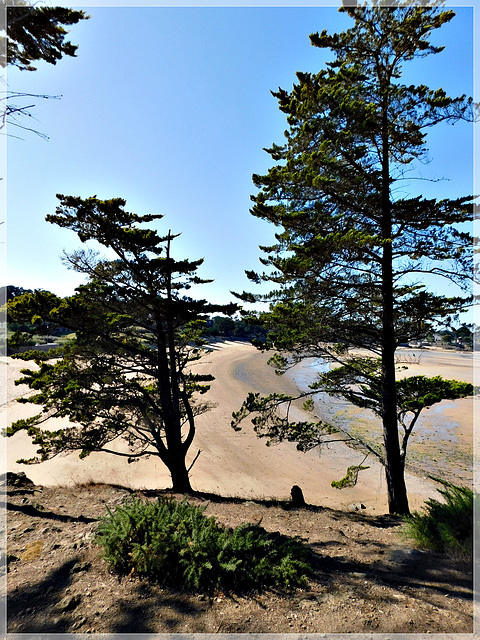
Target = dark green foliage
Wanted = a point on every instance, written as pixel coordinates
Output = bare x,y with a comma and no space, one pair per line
175,544
354,240
126,373
11,291
445,526
28,316
37,33
222,326
276,427
20,338
242,329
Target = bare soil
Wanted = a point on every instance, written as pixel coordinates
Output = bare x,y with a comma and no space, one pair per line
367,578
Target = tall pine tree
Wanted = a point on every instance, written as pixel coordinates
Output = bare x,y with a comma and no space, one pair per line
351,251
129,373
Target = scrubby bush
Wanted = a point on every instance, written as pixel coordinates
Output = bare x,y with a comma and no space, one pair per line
176,545
445,526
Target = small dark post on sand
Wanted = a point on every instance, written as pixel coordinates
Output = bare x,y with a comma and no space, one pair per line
297,496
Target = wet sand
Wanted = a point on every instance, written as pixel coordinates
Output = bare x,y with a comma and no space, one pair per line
238,463
442,441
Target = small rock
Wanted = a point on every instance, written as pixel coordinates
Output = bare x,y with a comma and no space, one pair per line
79,622
32,551
68,603
17,479
80,566
357,506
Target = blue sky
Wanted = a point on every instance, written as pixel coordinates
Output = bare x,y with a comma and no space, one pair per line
170,108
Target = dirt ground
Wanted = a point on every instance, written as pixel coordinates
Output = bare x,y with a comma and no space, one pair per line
367,578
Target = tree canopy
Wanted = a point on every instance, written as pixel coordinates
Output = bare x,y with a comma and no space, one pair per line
353,247
38,33
33,34
129,375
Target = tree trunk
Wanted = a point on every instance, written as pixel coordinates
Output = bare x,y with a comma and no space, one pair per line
394,467
179,474
394,463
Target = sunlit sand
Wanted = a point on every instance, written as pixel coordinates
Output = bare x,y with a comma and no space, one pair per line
240,464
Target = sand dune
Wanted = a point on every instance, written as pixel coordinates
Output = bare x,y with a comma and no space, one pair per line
238,463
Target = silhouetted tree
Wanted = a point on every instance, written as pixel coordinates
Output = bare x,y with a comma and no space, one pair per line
129,372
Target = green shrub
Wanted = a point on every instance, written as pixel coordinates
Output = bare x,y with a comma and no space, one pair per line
446,526
175,544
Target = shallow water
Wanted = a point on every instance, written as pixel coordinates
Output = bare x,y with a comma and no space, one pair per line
435,446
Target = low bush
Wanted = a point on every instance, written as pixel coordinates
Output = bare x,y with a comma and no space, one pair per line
176,545
445,526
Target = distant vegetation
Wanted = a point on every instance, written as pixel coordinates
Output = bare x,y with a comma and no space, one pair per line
220,326
26,334
23,333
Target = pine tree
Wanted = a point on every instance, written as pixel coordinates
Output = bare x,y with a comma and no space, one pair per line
129,372
352,250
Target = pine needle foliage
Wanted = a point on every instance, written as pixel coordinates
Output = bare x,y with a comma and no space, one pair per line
129,372
357,245
174,544
350,480
445,526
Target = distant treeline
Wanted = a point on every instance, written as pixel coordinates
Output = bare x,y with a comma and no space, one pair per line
24,333
10,291
222,326
465,337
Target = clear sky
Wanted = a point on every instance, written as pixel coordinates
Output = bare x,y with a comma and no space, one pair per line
170,108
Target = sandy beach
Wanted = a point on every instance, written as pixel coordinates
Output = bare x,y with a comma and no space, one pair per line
240,464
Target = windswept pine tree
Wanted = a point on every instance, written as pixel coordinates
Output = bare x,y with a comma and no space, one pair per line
129,374
353,248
